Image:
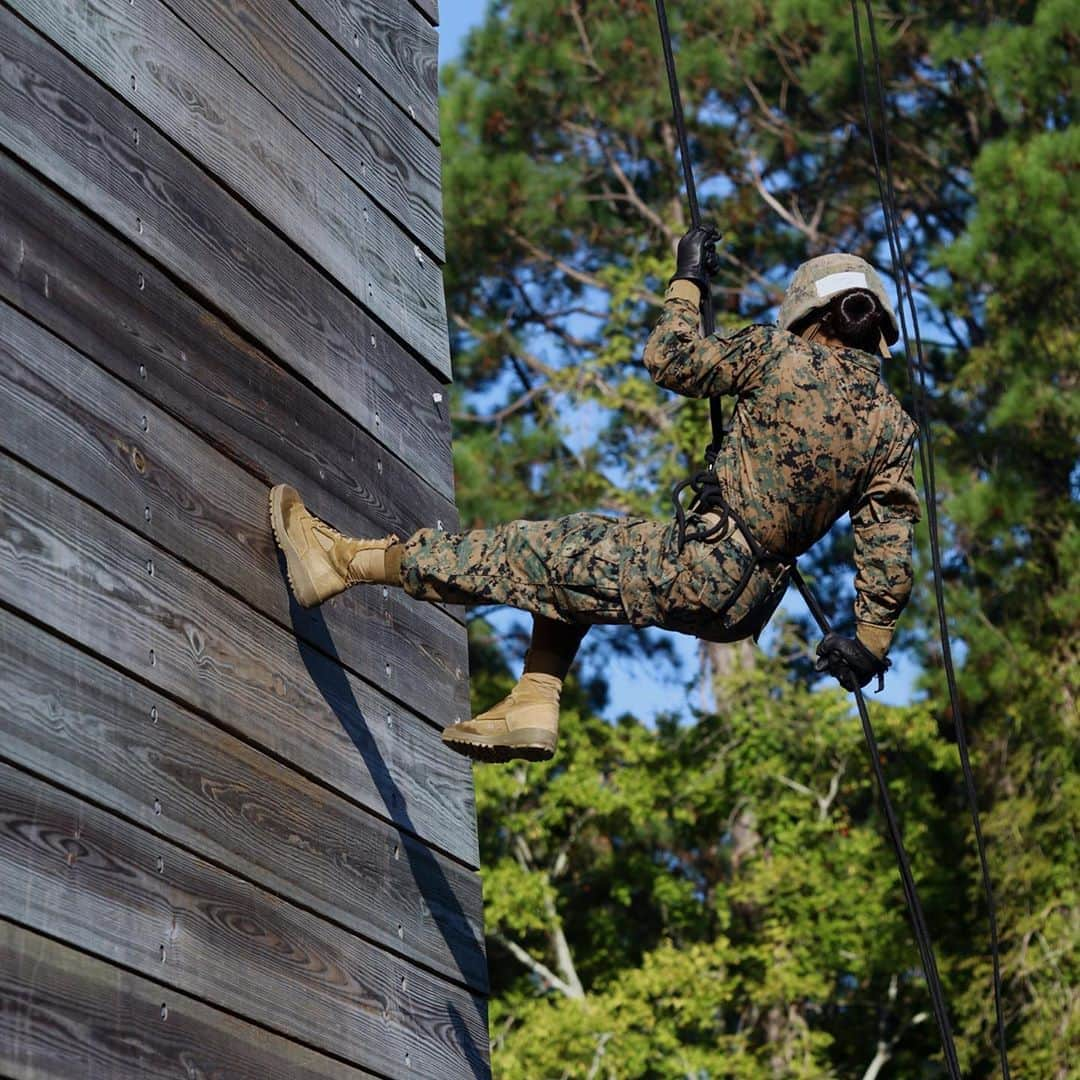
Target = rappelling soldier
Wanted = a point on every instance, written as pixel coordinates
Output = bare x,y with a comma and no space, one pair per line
815,434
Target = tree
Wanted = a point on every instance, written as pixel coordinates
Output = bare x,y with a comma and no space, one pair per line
710,899
563,201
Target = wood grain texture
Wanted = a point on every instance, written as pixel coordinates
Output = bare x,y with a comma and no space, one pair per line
345,113
78,424
394,43
144,54
92,730
66,1014
231,841
114,890
115,593
428,8
72,275
65,125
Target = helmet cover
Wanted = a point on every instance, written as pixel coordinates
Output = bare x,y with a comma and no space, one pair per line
818,281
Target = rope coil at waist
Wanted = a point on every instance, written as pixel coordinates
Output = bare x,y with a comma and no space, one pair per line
708,500
709,503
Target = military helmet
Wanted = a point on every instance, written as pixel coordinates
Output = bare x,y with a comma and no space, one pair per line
816,282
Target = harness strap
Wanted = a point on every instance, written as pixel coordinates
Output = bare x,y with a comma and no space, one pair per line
709,499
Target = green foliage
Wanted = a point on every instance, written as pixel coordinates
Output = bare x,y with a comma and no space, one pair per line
722,889
674,901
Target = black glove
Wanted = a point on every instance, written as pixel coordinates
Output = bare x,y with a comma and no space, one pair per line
696,258
850,662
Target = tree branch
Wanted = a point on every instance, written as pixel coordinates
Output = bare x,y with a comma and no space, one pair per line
583,37
886,1047
572,272
547,977
569,983
630,193
564,959
502,414
793,217
598,1056
824,802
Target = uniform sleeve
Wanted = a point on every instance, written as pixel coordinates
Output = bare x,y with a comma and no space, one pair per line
884,525
678,358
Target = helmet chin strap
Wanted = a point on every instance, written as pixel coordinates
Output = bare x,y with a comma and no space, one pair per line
814,334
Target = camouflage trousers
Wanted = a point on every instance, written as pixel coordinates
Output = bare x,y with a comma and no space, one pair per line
589,568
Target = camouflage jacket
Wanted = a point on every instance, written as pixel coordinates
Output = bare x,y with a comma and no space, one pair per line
815,434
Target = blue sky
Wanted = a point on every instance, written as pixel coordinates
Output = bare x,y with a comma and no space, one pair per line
456,18
635,688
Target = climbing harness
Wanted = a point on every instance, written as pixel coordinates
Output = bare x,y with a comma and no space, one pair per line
708,501
708,494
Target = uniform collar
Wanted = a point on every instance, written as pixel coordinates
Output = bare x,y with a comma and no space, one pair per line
861,359
849,356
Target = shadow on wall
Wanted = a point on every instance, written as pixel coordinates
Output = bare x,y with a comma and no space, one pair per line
327,673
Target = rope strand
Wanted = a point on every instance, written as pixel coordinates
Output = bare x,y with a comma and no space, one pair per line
708,316
907,879
922,936
926,458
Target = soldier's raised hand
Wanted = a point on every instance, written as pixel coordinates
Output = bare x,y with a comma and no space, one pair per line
696,259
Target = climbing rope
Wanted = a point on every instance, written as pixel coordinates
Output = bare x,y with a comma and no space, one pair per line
708,319
917,381
887,194
896,836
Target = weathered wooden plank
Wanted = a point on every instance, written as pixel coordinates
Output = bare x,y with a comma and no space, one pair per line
394,43
61,122
150,58
346,114
73,276
72,871
428,8
76,423
107,588
125,747
64,1014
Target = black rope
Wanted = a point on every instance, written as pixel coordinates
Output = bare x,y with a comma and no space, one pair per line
922,936
708,317
907,880
926,458
937,996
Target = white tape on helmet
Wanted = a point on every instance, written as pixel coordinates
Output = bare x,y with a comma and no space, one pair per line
834,283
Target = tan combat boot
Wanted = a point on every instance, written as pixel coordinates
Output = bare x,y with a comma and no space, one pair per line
524,725
321,562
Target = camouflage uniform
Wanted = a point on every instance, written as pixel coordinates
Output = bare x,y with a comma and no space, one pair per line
588,568
815,434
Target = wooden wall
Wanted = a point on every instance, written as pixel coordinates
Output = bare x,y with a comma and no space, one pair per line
231,842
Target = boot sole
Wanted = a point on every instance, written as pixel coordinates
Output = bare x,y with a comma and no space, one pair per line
525,744
302,586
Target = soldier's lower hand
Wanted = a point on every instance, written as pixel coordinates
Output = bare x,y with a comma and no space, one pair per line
849,661
696,259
